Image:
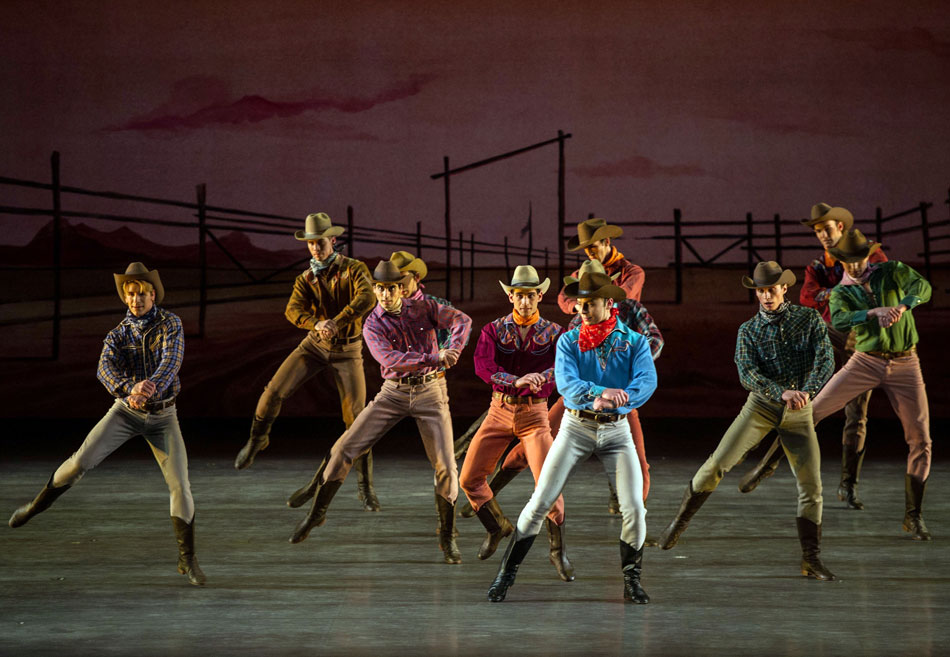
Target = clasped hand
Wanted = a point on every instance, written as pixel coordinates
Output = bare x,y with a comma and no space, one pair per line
611,398
140,393
533,380
887,315
448,357
795,399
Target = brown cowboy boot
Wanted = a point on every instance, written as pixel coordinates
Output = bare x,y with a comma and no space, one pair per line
517,549
43,500
851,461
764,469
809,535
303,495
363,465
913,501
259,440
631,561
499,480
447,530
497,525
563,565
187,561
318,511
688,507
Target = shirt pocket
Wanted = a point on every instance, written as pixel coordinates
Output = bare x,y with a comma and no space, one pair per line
767,349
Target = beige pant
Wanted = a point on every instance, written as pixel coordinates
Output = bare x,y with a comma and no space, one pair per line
759,416
428,403
903,383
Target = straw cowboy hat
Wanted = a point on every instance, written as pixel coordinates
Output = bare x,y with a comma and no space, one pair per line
317,226
387,272
823,212
767,274
525,277
853,247
592,230
590,267
136,271
409,264
594,285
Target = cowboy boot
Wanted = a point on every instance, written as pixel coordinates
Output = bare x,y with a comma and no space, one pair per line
499,480
913,501
43,500
187,561
613,504
563,565
447,530
851,461
259,440
809,535
764,469
302,495
463,441
631,561
364,481
318,511
438,524
518,547
688,507
496,524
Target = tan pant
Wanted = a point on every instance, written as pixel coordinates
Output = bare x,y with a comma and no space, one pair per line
903,383
759,416
428,403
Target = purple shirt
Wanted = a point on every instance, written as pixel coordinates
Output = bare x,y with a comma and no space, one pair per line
405,344
502,357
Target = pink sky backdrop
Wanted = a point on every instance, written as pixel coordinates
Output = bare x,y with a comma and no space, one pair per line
718,108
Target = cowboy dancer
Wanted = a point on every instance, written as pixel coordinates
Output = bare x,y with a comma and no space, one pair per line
603,369
329,301
784,358
515,356
139,366
821,276
400,334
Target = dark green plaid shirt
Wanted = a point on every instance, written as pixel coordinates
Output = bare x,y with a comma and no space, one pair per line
793,353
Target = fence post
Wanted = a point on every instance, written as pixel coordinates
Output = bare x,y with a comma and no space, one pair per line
461,266
471,266
57,253
878,224
418,239
507,264
560,205
777,222
925,234
201,191
678,252
349,230
749,257
448,229
546,262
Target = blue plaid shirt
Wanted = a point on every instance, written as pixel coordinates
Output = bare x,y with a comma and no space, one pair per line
148,347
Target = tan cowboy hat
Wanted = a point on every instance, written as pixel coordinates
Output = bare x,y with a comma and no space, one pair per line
821,212
525,277
387,272
853,247
408,263
317,226
594,285
592,230
590,267
767,274
136,271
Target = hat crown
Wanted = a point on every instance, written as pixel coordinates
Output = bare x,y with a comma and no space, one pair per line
853,241
819,210
317,222
591,282
766,273
136,268
387,272
525,275
586,229
401,258
592,267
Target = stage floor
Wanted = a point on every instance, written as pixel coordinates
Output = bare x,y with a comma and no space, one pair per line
95,575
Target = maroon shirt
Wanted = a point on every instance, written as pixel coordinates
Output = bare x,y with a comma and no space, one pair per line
502,357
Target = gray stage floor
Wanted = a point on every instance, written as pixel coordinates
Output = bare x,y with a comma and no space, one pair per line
96,574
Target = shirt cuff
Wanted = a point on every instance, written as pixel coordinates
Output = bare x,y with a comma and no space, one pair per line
911,301
503,379
859,317
595,391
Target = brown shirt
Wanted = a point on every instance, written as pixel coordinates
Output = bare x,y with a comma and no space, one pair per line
342,292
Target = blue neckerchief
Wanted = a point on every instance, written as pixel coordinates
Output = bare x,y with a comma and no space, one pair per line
141,322
317,266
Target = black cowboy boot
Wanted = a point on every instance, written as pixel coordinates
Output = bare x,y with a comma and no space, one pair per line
764,469
498,481
447,530
187,561
364,481
913,502
563,565
809,535
518,547
43,500
631,560
688,507
497,525
303,495
259,440
850,472
613,504
318,511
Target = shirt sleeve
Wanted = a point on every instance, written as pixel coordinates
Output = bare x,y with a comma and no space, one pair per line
299,311
631,279
382,350
458,323
173,352
915,287
824,363
362,298
813,294
642,378
749,375
645,326
566,304
113,366
845,313
485,366
567,375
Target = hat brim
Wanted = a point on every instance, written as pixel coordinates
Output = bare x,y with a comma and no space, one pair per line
541,287
150,276
572,279
572,291
605,231
416,267
854,257
787,278
834,214
332,231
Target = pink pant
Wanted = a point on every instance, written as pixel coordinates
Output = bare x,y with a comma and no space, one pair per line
903,383
528,423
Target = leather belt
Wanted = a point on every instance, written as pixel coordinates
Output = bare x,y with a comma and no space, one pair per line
355,338
888,355
599,418
154,407
417,380
515,399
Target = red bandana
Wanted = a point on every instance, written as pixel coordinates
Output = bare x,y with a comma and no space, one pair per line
592,335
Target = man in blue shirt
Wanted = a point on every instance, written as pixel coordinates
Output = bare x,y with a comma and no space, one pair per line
603,369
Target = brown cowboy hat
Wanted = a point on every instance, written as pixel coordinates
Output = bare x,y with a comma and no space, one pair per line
317,226
590,267
853,247
594,285
525,277
767,274
592,230
408,263
136,271
821,212
387,272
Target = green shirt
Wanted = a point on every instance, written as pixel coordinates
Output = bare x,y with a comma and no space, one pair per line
892,283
